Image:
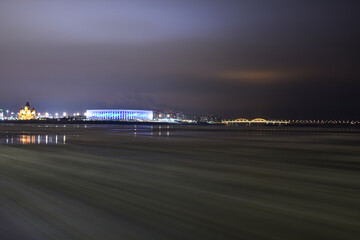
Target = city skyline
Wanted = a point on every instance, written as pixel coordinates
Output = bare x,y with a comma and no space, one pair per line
273,59
132,115
179,119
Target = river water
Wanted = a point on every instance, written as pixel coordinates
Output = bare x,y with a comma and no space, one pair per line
178,182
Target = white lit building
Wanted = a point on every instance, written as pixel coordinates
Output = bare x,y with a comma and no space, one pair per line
119,115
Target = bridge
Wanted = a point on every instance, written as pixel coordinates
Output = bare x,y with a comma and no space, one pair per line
256,120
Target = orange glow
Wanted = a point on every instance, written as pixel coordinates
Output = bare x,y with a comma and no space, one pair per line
26,113
257,76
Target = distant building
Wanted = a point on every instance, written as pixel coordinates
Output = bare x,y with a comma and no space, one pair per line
164,114
192,118
211,118
1,114
27,113
119,115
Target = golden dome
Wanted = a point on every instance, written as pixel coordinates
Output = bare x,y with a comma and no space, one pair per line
26,113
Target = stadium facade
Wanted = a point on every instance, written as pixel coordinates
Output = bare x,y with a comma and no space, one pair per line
119,115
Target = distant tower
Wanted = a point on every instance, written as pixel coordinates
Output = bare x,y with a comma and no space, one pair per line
26,113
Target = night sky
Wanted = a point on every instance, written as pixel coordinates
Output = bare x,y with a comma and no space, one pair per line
273,59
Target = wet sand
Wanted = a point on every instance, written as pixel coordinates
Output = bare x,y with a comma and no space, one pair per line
109,182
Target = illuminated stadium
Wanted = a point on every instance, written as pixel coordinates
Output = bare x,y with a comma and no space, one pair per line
119,114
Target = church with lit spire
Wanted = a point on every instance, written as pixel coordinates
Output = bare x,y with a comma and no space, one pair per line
27,113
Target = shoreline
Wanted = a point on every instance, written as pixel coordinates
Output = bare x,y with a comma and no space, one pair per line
253,125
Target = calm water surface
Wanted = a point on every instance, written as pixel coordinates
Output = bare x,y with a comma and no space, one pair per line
178,182
60,134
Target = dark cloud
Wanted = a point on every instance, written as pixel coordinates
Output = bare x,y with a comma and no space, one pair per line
281,59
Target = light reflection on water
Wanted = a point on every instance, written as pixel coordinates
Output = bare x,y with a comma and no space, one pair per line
33,139
143,130
154,131
222,131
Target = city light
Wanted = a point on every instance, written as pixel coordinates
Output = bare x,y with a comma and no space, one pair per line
121,114
27,113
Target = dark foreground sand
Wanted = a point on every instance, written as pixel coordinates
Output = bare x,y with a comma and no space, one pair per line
201,183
